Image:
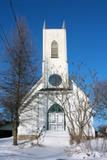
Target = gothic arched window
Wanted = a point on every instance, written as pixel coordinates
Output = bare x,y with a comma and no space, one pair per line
55,108
54,49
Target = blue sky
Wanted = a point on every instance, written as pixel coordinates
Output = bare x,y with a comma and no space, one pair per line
86,24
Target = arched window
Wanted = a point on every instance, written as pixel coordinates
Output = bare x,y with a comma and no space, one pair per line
54,49
55,108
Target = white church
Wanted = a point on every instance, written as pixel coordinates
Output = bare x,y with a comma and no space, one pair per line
53,104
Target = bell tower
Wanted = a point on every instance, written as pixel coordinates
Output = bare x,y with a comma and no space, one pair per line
54,65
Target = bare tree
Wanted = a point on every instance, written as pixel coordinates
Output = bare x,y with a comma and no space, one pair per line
100,91
20,75
84,102
78,102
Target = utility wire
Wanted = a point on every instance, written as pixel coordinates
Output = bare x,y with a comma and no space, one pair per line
5,39
14,15
18,28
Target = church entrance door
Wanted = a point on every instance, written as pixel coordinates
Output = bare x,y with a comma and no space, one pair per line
56,121
56,118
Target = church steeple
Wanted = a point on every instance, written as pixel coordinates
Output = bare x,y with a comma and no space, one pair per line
63,25
54,66
44,25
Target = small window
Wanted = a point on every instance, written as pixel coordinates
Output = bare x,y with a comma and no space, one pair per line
54,49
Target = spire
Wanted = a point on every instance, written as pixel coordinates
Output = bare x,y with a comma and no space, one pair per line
63,24
44,25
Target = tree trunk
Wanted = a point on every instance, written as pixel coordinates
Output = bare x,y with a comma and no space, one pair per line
81,136
15,132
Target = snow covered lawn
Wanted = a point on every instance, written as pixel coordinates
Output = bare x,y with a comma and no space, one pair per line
28,152
25,151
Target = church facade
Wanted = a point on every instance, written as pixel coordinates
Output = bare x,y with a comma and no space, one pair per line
52,104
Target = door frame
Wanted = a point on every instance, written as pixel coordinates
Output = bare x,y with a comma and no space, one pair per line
55,108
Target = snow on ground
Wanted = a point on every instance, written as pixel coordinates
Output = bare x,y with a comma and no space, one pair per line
28,152
52,150
91,150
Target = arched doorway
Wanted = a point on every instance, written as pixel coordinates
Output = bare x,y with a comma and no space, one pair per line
56,118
